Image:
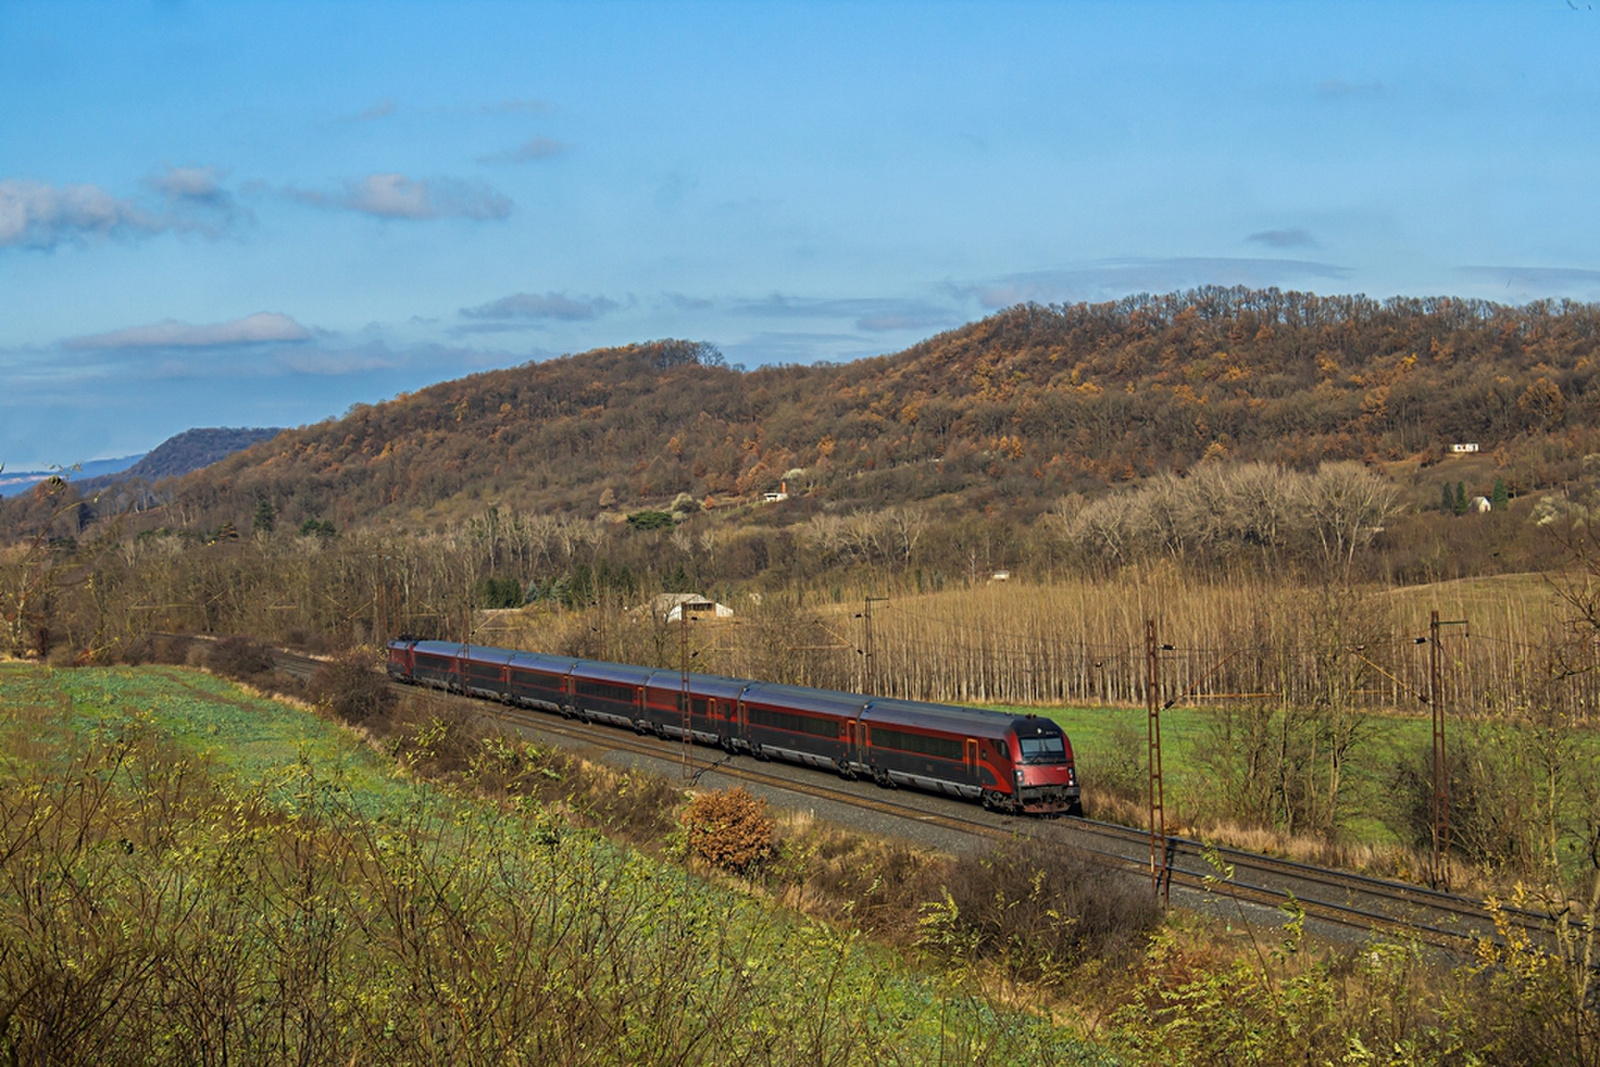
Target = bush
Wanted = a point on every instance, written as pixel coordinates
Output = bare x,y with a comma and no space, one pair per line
650,520
500,593
730,829
240,658
351,687
1042,910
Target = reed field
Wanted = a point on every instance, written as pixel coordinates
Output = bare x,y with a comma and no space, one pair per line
1072,641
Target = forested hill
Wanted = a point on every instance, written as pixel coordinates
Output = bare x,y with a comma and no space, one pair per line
185,452
1008,413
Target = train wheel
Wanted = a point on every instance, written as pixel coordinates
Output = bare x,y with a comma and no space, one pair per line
759,752
845,770
881,777
726,743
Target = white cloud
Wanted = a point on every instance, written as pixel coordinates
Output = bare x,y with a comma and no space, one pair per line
35,215
518,106
188,183
394,196
381,110
549,306
529,151
874,314
1114,279
1338,88
1296,238
262,327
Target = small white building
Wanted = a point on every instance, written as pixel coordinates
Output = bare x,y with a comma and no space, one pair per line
671,606
1464,448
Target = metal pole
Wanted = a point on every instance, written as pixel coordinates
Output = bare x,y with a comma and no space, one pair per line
1441,773
869,681
1160,885
683,693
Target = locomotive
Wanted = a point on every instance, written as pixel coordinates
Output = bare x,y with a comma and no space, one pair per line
1010,763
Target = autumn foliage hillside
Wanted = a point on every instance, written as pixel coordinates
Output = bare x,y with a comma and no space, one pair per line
1006,414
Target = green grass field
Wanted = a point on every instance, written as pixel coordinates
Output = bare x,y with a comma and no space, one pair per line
1110,745
232,877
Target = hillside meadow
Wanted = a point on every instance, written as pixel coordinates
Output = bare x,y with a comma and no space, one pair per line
194,874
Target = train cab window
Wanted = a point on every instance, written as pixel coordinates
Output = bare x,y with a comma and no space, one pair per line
1043,749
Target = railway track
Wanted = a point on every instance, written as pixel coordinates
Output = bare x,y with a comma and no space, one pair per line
1340,898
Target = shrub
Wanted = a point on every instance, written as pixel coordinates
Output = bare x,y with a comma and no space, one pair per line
239,657
650,520
1042,910
729,828
500,593
351,687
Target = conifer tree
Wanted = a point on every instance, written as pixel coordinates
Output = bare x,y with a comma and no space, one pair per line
266,516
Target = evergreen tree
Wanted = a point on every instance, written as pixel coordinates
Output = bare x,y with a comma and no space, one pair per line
1461,499
1500,497
266,516
1447,499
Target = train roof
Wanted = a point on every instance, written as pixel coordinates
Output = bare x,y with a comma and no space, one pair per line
712,685
541,661
827,701
976,721
486,653
604,671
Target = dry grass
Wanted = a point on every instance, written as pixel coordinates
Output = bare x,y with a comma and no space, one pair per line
1082,641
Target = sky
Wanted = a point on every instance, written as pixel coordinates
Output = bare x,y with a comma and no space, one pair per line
261,214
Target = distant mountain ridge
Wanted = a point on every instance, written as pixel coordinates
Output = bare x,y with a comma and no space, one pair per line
182,453
14,482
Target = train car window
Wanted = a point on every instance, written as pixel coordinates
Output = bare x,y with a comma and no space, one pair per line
1046,749
607,691
942,747
432,662
795,724
701,705
536,680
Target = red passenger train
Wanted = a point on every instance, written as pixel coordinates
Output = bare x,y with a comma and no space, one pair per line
1012,763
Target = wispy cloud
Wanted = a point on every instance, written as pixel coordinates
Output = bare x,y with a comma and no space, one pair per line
381,110
518,106
1539,279
35,215
871,314
196,185
549,306
260,328
1112,279
187,200
395,196
529,151
1296,238
1339,89
683,302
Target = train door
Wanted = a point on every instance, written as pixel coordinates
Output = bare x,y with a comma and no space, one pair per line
970,759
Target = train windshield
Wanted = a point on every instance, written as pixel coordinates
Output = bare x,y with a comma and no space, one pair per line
1043,749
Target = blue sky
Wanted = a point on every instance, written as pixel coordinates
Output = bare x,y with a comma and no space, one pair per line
260,214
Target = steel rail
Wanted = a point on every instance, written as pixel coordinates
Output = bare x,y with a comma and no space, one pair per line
1372,903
